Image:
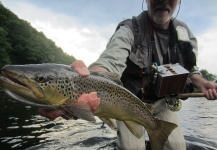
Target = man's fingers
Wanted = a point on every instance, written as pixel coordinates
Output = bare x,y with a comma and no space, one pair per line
80,68
51,114
211,94
214,94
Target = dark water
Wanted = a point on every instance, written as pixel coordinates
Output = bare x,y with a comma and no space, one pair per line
22,128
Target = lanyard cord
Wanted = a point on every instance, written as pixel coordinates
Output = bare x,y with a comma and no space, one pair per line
177,11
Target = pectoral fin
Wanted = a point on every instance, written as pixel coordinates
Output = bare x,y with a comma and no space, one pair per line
81,110
135,128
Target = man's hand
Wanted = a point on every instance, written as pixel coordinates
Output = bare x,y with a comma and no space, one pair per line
210,90
80,68
207,87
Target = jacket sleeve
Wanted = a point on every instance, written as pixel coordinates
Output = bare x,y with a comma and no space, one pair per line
117,50
193,42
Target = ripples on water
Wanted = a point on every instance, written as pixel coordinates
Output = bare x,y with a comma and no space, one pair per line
198,118
22,128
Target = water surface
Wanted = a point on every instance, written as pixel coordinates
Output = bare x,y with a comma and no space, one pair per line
22,128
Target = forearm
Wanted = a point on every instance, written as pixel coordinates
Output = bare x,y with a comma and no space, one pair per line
98,68
207,87
198,80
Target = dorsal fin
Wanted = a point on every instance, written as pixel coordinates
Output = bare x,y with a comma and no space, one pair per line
109,75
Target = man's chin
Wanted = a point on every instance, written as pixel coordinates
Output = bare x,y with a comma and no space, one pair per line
161,20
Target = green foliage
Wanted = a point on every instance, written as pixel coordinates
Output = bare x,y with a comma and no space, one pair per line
208,76
22,44
4,57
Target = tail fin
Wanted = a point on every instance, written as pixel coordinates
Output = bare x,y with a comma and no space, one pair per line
159,136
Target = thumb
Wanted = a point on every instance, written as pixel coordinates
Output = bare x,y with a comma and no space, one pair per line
80,68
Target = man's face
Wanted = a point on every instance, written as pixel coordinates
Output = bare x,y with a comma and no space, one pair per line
160,11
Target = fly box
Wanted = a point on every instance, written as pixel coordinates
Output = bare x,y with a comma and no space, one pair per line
171,79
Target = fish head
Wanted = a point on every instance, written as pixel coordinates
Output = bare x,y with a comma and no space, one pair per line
42,85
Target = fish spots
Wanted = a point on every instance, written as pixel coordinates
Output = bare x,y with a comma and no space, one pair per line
72,97
63,86
50,78
66,81
44,84
58,87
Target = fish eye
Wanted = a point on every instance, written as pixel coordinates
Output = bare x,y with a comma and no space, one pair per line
40,78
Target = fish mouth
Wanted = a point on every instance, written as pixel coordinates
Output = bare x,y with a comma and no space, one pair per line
26,101
14,86
12,80
8,80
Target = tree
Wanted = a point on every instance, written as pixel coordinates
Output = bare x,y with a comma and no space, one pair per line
4,57
208,76
22,44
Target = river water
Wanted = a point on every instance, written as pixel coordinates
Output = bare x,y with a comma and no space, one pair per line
22,128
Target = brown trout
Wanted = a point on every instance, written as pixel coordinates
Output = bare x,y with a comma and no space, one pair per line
56,85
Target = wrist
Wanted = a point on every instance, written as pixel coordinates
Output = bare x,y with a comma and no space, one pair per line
198,81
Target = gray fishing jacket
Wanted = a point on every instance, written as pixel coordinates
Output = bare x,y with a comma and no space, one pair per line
129,56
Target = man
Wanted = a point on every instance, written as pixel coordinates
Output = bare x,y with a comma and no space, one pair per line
173,42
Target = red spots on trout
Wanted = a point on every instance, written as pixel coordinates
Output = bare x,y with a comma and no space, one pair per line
91,99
